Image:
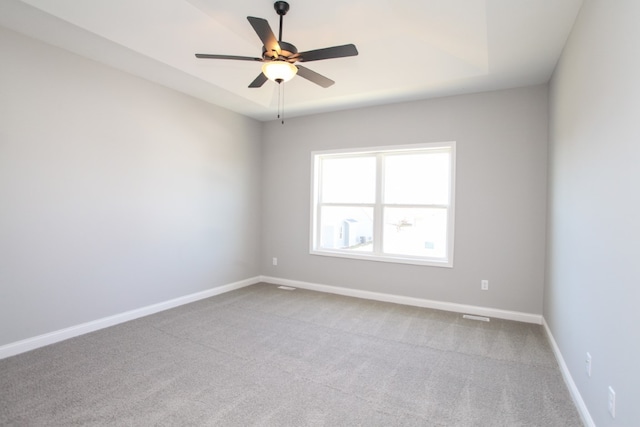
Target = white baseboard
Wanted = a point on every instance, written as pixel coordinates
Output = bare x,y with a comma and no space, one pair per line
568,379
63,334
417,302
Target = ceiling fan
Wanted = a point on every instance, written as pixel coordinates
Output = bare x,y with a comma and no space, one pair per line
279,57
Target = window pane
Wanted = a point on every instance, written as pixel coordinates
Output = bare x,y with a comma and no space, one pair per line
349,180
348,228
418,232
416,179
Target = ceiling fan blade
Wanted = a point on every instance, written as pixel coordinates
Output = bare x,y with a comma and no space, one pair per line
262,28
314,77
328,53
259,81
238,58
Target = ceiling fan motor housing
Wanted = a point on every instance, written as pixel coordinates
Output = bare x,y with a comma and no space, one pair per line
288,52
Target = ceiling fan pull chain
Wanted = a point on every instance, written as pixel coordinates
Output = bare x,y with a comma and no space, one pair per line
281,102
282,86
279,88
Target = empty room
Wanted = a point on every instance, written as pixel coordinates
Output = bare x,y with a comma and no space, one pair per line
411,213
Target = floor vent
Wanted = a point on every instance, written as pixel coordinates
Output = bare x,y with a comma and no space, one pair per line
286,288
472,317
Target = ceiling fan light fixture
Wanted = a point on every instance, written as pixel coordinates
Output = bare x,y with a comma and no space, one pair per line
279,71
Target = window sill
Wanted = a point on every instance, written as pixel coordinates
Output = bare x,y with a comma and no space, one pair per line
431,262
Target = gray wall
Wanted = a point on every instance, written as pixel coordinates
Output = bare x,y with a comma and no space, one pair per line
115,193
500,197
593,289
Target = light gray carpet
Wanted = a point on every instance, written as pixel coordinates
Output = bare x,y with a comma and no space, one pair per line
269,357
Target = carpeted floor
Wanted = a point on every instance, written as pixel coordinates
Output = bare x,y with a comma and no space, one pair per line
269,357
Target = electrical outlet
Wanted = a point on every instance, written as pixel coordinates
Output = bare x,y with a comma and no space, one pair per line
612,402
484,285
275,261
588,364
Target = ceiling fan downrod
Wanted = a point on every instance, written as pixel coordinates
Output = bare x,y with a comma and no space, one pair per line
281,7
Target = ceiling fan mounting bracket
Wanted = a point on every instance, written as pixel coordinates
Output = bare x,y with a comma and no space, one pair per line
281,7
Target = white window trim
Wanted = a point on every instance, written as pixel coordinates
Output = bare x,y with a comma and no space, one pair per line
448,262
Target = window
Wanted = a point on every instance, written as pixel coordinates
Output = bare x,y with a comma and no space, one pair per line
390,204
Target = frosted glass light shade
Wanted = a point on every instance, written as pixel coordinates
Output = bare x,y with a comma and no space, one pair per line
279,71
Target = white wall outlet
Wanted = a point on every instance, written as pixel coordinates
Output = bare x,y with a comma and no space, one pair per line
484,285
587,362
275,261
612,402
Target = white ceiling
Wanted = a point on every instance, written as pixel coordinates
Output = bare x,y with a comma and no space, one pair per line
408,49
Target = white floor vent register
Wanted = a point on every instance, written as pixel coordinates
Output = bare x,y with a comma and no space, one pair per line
472,317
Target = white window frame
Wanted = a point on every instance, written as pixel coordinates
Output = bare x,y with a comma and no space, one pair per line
378,206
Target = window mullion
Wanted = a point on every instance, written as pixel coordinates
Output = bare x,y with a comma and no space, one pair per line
378,214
